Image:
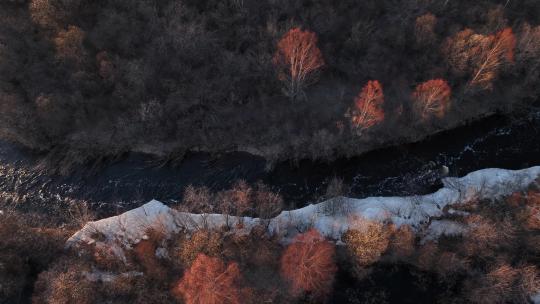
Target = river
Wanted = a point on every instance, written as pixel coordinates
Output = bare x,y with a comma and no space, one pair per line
410,169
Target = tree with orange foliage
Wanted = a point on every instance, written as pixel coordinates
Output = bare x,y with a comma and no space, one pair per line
481,56
210,281
308,264
298,59
367,110
432,98
500,49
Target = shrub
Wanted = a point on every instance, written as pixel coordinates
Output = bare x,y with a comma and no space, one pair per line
66,283
197,199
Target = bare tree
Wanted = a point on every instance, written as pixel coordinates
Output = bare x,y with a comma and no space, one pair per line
298,59
432,98
500,49
335,202
267,203
367,110
197,199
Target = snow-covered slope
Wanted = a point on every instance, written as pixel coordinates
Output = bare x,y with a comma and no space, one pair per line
331,217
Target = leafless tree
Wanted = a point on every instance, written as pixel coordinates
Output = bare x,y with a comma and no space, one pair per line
298,59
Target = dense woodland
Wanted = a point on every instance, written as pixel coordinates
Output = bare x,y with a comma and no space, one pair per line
280,78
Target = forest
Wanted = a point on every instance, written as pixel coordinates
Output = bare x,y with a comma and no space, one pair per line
84,80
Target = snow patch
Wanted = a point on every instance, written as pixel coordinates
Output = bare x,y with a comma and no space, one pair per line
130,227
438,228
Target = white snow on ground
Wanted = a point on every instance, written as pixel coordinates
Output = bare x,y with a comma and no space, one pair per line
130,227
439,228
331,218
458,212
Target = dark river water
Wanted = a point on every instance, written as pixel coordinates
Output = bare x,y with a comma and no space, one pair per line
496,141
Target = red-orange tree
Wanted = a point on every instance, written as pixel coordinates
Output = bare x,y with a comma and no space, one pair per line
368,107
210,281
298,59
432,98
308,264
